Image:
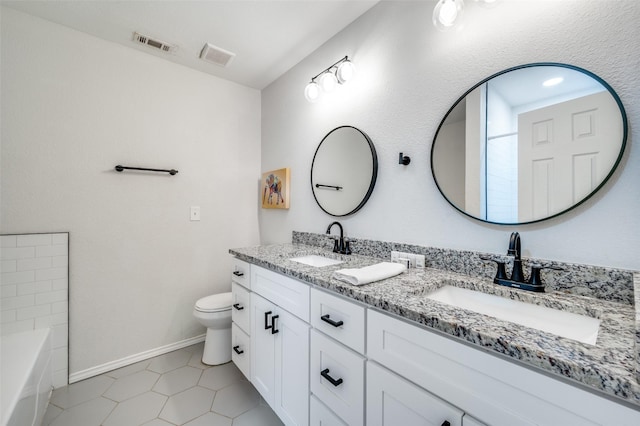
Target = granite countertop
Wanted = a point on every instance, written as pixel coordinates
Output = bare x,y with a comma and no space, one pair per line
609,366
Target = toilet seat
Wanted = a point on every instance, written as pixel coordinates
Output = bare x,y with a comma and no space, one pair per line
214,303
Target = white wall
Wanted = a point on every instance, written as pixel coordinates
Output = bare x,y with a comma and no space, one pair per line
409,74
74,106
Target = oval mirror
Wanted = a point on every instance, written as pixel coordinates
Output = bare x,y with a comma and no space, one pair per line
344,171
529,143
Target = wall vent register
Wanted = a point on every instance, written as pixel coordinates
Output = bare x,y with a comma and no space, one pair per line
155,43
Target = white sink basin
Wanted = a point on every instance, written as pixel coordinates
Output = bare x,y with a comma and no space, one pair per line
561,323
317,261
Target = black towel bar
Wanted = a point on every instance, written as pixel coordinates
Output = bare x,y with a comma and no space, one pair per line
120,168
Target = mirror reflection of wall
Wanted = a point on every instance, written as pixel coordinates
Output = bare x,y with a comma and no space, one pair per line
528,143
344,171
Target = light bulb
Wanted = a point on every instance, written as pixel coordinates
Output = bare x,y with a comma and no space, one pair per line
345,72
447,13
328,81
312,92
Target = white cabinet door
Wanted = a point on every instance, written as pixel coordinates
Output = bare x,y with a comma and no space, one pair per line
467,420
392,400
263,347
241,272
337,378
280,360
240,310
241,354
291,399
320,415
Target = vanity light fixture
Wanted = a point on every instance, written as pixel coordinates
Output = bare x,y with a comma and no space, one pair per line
328,79
447,14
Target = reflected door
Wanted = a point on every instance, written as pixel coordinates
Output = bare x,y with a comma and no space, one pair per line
564,152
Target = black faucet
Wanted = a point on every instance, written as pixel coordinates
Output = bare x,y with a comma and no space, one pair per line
340,245
517,279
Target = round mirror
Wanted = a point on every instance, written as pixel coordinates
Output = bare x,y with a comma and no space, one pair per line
529,143
344,171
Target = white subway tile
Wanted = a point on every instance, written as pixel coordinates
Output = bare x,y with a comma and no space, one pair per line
34,263
61,238
33,288
60,307
60,284
51,320
18,253
54,250
34,240
50,274
8,265
53,296
17,302
33,312
60,261
8,240
17,277
59,336
8,316
8,291
16,327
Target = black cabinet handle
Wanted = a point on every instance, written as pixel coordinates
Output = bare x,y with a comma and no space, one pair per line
266,320
446,423
273,324
326,318
325,373
238,307
237,349
238,273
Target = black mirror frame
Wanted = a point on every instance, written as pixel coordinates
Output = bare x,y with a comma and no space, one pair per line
625,131
374,174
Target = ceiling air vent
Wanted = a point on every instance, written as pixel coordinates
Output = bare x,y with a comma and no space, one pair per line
155,43
216,55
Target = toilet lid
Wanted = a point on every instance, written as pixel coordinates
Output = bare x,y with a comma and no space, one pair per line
215,302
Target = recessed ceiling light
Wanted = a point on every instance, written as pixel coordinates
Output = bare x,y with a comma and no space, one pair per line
552,81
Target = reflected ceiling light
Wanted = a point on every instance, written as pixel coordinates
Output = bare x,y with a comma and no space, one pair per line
487,3
552,81
338,73
447,14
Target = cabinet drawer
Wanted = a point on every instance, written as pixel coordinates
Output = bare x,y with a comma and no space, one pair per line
320,415
241,272
345,396
289,294
347,318
241,309
392,400
241,350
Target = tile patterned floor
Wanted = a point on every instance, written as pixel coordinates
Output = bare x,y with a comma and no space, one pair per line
171,389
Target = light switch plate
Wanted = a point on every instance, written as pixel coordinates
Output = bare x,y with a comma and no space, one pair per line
195,213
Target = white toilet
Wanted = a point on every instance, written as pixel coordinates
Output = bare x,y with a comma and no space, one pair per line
214,312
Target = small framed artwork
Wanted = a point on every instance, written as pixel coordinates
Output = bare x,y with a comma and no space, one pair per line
274,190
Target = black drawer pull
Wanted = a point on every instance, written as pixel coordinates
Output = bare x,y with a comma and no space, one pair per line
325,373
238,307
266,320
326,318
238,273
237,349
273,324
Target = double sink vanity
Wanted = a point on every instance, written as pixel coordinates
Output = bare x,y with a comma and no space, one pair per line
461,341
441,344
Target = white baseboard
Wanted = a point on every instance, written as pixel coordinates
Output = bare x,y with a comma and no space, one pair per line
131,359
